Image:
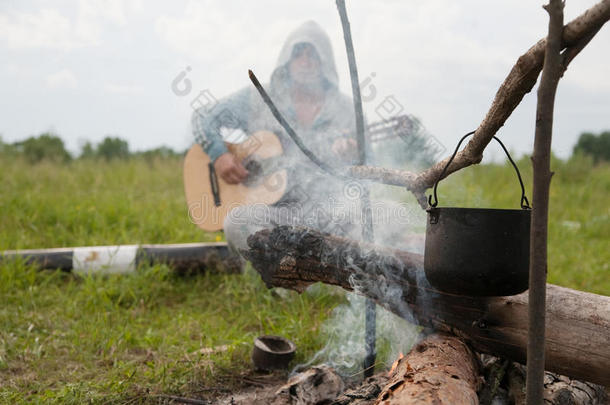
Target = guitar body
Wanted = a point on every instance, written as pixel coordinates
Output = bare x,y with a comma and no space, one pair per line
208,209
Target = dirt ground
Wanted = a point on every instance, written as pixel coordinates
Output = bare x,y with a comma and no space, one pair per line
316,385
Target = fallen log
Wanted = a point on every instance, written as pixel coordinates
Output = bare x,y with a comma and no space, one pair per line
504,381
183,258
578,323
440,370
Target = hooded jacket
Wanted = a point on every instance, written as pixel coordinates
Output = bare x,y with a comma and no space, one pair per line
245,110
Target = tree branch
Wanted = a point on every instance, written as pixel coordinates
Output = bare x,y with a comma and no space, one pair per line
517,84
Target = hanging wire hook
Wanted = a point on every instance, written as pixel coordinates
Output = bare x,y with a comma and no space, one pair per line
524,201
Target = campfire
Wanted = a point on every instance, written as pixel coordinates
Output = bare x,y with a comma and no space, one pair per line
451,360
469,319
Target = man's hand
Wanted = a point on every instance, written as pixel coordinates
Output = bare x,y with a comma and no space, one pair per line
346,149
230,169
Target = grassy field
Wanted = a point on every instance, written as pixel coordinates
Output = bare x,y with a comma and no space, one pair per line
120,339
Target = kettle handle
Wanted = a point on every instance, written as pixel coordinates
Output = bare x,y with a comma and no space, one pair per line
524,202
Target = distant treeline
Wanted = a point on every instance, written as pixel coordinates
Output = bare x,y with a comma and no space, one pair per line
596,146
49,146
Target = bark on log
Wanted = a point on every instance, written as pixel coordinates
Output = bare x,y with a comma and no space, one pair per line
578,323
318,385
508,387
365,393
440,370
558,390
520,81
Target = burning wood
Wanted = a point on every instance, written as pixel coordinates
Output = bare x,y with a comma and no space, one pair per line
558,390
314,386
395,364
578,322
439,370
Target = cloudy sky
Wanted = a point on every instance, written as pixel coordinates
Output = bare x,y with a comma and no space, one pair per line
87,69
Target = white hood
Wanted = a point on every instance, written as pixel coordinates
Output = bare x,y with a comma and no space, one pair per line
311,33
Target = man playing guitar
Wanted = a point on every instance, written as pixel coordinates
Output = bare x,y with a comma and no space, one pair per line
304,86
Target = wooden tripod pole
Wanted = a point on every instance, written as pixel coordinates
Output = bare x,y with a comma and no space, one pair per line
551,73
365,202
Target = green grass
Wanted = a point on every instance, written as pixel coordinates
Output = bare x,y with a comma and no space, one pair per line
91,202
71,339
68,339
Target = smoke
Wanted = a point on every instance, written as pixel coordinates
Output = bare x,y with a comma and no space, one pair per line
344,332
396,225
402,142
324,120
396,332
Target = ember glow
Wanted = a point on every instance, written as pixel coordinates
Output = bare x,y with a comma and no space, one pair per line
395,364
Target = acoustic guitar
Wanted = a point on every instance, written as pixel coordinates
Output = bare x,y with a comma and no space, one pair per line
209,198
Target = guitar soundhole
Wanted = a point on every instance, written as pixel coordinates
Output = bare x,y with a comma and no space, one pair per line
255,171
